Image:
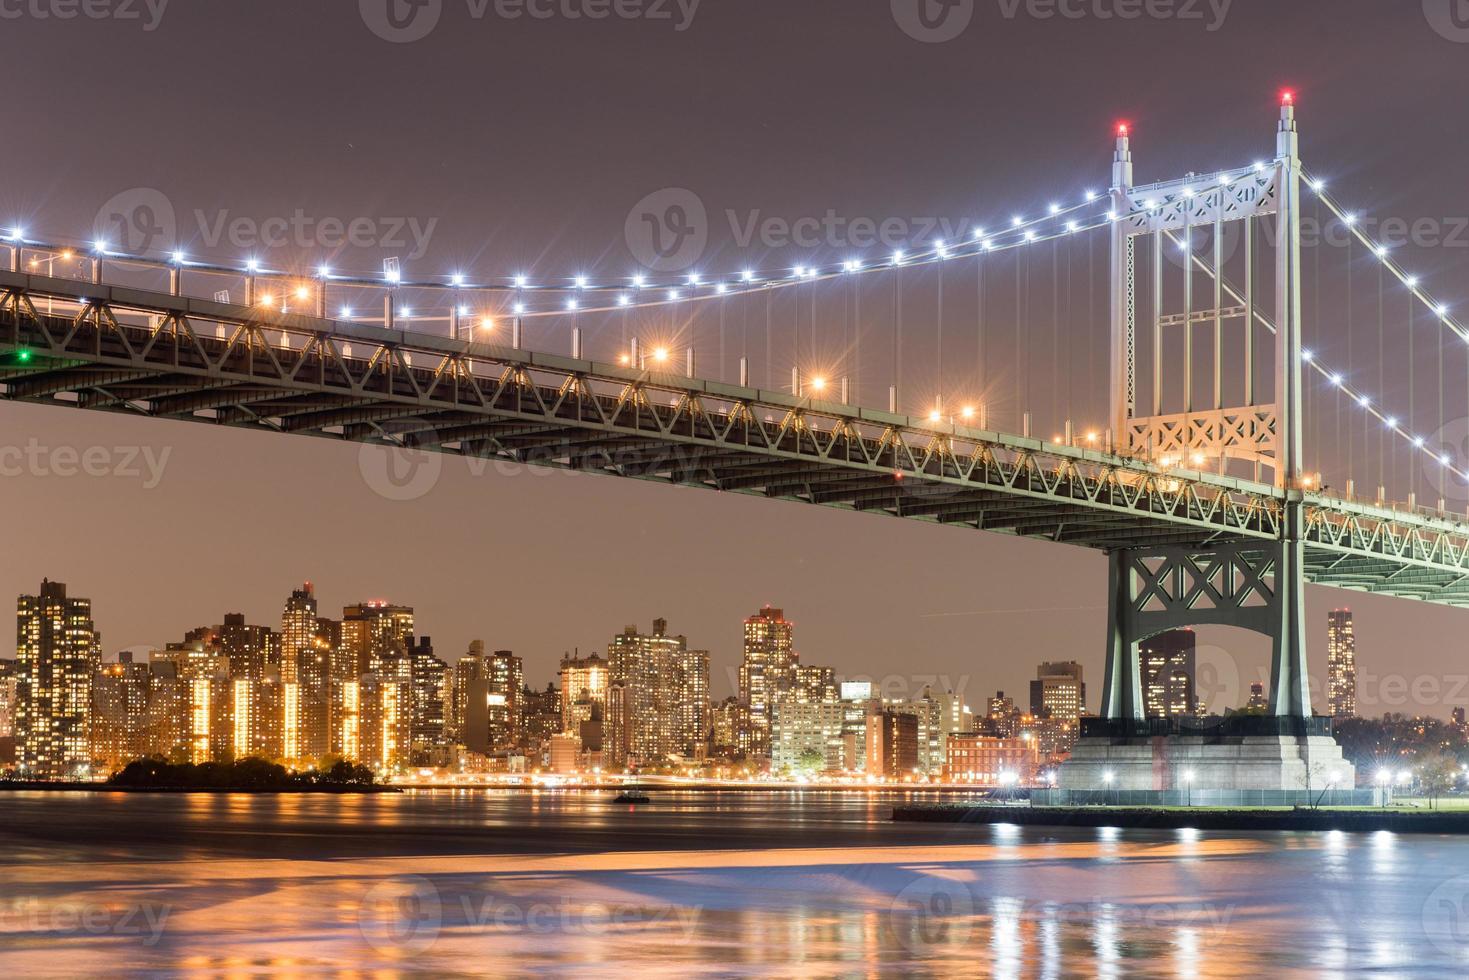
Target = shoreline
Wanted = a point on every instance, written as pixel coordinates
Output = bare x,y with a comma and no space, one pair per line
50,787
1149,818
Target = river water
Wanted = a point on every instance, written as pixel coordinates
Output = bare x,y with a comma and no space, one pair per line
807,884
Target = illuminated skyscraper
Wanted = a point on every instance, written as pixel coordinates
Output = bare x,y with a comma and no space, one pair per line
892,744
767,672
583,682
666,687
298,630
488,688
1003,718
1341,664
1168,666
426,727
59,652
1258,703
811,684
374,630
540,718
250,649
119,729
8,680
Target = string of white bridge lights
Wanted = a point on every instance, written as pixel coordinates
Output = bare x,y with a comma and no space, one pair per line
697,287
690,287
1440,310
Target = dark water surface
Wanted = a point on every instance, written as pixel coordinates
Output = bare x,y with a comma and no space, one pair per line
697,883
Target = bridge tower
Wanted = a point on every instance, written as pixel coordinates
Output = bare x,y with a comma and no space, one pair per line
1226,428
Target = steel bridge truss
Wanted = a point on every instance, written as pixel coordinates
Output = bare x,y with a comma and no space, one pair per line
155,355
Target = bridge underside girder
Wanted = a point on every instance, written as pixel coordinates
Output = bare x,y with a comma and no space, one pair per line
172,357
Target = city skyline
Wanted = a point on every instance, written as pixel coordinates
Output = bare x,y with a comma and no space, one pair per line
976,684
500,207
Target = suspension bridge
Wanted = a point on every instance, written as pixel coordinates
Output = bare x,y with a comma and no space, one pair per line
1195,467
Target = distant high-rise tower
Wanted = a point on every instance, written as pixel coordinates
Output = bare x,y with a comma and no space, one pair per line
583,685
767,673
374,636
488,696
1058,692
59,652
307,644
1341,664
663,688
1257,703
1168,664
427,705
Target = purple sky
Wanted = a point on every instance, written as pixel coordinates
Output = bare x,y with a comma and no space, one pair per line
509,144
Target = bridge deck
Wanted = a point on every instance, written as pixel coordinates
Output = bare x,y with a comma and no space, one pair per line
112,348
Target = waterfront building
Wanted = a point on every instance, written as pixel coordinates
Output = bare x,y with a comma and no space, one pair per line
487,698
986,759
428,680
583,682
666,687
892,744
8,681
59,653
119,728
540,718
767,672
807,735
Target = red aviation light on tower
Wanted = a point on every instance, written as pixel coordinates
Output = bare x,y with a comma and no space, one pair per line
1124,129
1287,97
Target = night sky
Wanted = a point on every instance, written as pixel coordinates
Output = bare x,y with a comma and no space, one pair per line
525,143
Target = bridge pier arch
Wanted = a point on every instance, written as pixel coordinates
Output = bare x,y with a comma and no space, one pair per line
1251,584
1255,584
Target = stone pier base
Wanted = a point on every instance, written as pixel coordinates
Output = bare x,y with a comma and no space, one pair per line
1236,753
